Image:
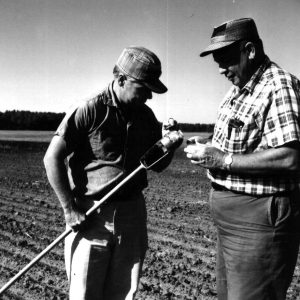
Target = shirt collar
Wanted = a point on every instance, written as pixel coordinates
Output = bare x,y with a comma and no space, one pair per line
111,99
255,78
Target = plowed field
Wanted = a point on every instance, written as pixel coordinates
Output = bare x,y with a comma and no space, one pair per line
180,263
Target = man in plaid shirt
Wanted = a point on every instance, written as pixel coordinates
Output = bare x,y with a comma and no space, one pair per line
253,164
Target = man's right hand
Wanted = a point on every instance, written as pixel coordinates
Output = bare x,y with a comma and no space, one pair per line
74,218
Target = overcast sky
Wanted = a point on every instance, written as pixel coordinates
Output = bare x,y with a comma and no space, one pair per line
57,52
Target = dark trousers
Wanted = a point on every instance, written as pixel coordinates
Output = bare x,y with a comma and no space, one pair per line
258,242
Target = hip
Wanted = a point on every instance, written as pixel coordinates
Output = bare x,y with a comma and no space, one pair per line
279,212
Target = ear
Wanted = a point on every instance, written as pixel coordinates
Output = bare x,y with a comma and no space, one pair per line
121,79
251,50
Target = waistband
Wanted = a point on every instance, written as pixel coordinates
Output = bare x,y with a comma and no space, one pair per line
220,188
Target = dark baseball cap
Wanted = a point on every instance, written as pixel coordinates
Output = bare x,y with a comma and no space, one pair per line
142,65
230,32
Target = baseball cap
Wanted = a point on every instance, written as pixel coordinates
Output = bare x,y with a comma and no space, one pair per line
142,65
231,31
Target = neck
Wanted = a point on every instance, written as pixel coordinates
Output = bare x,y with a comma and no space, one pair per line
258,62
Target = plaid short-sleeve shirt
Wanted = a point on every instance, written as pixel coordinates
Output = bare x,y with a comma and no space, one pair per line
263,114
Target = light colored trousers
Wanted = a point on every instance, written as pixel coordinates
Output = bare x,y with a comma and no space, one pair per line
104,261
258,241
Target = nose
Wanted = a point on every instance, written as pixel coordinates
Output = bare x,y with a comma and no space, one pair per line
222,70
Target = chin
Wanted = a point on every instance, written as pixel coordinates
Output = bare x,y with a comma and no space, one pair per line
237,83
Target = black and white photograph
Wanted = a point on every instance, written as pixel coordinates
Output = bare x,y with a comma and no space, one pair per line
149,150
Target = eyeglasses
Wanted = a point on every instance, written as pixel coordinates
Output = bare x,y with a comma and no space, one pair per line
135,81
230,54
139,83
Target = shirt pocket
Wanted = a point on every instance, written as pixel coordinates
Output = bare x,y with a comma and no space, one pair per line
244,133
107,143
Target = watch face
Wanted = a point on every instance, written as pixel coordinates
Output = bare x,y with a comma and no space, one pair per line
228,159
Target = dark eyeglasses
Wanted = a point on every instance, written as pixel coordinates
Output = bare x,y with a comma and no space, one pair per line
230,54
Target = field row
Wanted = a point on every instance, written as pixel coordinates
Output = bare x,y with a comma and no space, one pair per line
180,262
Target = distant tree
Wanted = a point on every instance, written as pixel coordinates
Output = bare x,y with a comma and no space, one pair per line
196,127
27,120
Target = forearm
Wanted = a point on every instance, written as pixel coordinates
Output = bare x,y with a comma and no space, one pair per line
277,160
58,179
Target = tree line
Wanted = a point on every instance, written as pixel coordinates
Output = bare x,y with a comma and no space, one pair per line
197,127
28,120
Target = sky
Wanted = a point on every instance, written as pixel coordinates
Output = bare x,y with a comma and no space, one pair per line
55,53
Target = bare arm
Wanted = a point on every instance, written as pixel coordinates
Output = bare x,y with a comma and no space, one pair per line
274,160
58,179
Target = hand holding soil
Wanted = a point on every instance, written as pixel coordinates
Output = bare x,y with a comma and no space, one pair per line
204,155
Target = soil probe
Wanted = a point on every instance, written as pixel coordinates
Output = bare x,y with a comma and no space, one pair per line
149,159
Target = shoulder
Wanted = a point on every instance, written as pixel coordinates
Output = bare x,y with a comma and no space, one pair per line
144,117
98,99
83,113
89,107
147,113
279,78
147,110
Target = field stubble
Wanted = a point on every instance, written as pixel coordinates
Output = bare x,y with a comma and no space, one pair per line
180,262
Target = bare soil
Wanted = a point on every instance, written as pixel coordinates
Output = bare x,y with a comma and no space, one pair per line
180,262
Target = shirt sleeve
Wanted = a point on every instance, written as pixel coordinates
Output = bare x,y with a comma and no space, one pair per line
75,125
282,122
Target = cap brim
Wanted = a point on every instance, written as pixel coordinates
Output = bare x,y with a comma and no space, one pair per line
216,46
156,86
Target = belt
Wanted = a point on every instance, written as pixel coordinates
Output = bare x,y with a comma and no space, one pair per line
218,187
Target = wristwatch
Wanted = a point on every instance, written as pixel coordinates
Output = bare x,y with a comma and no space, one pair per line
228,161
